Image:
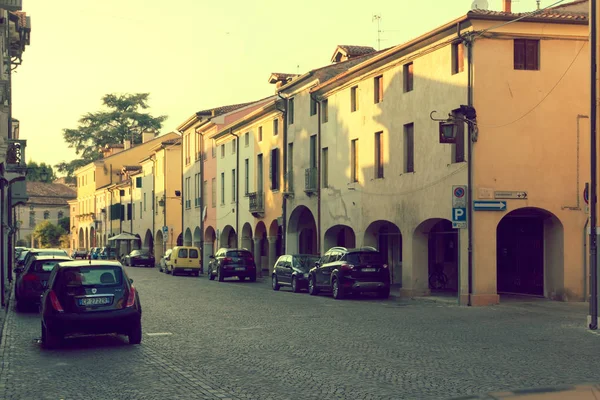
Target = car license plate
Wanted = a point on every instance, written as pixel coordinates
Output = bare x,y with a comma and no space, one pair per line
369,269
93,301
240,269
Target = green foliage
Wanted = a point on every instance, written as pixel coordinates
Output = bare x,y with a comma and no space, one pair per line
23,243
35,172
64,224
124,120
48,234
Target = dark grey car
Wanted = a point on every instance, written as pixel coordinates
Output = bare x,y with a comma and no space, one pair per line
292,270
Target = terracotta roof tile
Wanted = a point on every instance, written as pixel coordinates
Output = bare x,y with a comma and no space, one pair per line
132,167
543,15
49,193
227,109
354,51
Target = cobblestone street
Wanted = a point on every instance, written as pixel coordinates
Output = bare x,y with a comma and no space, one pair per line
241,340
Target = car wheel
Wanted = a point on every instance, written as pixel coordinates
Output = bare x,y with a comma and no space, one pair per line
313,290
160,268
135,335
220,277
295,287
210,275
49,339
383,293
337,290
253,278
197,273
274,282
242,278
173,271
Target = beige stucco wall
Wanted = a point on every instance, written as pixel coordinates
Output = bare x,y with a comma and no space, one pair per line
167,180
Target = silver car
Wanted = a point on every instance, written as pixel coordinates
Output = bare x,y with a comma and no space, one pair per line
162,265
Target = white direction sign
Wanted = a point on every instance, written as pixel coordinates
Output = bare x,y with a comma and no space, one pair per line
510,194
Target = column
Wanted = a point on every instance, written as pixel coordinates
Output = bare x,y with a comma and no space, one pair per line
257,258
206,253
272,252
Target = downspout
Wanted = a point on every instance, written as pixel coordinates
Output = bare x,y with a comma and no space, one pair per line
593,173
2,237
165,197
585,280
182,192
318,155
153,200
469,41
285,174
202,194
237,184
131,205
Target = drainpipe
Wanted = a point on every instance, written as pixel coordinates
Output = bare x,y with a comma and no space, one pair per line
165,199
585,278
469,44
131,204
318,155
285,172
593,185
153,200
237,184
202,194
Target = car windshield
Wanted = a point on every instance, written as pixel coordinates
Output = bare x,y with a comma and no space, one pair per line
91,276
23,255
193,253
45,265
239,253
305,262
361,258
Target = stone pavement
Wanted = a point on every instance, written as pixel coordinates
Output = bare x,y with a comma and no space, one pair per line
209,340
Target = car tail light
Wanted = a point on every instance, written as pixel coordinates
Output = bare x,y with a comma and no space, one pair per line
54,301
131,297
385,266
227,260
347,267
31,278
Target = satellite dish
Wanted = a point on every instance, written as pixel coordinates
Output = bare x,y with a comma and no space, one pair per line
480,5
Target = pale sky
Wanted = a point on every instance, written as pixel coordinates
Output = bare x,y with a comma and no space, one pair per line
191,54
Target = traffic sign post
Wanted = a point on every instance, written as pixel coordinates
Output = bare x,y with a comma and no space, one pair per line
487,205
459,207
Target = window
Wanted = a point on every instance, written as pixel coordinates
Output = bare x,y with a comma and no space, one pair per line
198,141
46,214
129,212
378,155
378,88
144,201
290,111
222,188
187,149
274,169
409,148
527,54
133,211
259,173
233,145
61,215
354,98
204,190
222,151
354,160
32,219
458,57
325,112
233,185
313,151
198,188
213,183
247,139
141,209
408,77
325,167
260,133
246,176
313,106
290,167
214,148
187,195
276,127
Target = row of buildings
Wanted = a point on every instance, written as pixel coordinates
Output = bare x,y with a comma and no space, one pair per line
465,149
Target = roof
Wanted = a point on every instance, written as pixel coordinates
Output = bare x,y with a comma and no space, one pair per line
49,193
213,112
132,167
351,51
280,76
559,13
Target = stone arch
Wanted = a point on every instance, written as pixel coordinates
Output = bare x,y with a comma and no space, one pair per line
261,247
197,238
386,237
530,253
247,241
339,235
149,241
435,255
276,235
209,246
187,239
302,232
159,249
228,237
92,237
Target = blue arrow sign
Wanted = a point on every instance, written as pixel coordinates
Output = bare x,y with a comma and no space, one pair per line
489,205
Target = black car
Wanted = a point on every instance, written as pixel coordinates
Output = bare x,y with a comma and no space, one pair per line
107,253
343,271
90,297
232,262
38,252
139,257
29,284
79,253
292,270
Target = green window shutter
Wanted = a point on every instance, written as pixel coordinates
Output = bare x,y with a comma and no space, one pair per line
138,182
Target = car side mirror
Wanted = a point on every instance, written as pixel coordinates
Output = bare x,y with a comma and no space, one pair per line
130,280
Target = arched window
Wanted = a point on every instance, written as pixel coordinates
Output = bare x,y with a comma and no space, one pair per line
61,215
46,214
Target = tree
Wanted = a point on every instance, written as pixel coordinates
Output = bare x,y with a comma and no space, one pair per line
35,172
123,120
48,234
64,224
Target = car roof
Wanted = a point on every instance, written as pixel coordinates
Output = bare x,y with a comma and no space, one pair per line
302,255
89,263
51,257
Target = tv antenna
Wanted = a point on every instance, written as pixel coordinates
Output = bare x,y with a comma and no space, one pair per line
377,17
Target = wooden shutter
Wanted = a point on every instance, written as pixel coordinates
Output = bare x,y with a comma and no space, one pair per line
129,212
138,182
532,55
519,54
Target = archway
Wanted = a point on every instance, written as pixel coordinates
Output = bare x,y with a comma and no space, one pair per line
179,241
87,239
81,238
530,253
261,248
275,233
209,246
247,237
92,237
302,232
159,248
149,242
197,238
339,235
228,237
435,255
387,238
187,239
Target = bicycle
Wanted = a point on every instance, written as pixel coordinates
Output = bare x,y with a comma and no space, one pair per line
437,278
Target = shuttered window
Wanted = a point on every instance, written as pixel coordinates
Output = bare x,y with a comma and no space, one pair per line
527,54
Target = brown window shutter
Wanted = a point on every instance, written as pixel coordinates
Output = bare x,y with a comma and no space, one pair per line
532,55
519,54
460,54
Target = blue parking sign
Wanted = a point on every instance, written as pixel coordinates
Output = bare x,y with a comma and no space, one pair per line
459,214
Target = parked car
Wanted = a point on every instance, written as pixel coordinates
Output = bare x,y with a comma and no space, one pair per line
90,297
21,259
29,285
139,257
343,271
79,253
162,264
232,262
184,259
18,251
39,252
94,253
292,270
108,253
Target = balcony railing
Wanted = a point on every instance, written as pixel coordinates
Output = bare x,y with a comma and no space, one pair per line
257,204
310,180
15,155
289,182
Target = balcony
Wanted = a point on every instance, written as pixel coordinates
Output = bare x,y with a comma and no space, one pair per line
15,156
310,181
257,204
288,190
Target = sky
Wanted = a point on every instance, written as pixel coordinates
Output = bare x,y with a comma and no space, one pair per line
191,55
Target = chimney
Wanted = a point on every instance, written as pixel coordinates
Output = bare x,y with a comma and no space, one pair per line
507,6
126,144
148,135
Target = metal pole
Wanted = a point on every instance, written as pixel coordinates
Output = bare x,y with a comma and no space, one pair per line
593,185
